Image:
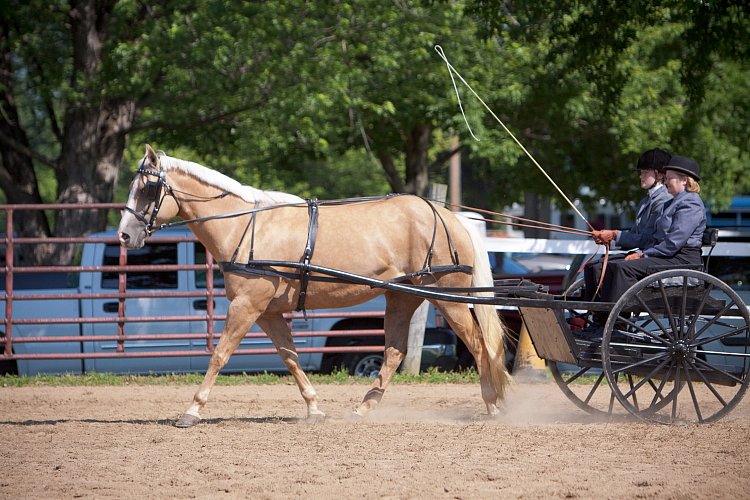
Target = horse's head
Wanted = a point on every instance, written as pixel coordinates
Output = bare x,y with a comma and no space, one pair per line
148,203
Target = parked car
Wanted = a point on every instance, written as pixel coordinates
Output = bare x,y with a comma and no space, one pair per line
439,345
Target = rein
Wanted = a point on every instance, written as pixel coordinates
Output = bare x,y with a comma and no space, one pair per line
538,224
157,190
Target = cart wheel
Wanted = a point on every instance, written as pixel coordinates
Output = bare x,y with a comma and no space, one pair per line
597,399
672,330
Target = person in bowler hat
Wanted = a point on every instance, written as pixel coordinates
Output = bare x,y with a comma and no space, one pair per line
678,236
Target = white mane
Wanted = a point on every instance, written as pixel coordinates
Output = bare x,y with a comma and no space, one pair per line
221,181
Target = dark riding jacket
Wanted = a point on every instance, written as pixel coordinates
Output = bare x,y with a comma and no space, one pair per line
650,208
681,225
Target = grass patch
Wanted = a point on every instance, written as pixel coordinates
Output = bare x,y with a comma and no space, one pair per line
431,376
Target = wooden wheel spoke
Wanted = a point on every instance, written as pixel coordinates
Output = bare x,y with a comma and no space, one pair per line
667,307
692,391
640,328
699,310
658,392
593,389
730,333
713,320
711,387
718,370
655,318
639,363
612,397
575,376
677,382
648,377
683,303
631,392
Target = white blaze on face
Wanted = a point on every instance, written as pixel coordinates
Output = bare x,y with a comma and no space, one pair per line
131,231
131,203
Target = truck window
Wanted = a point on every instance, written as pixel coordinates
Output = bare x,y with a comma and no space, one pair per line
200,276
153,254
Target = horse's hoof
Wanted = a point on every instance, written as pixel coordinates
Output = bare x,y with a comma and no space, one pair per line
316,418
492,410
187,420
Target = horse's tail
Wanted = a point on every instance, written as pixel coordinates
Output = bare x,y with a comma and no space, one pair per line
493,331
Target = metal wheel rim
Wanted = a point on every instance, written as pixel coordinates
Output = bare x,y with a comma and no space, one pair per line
368,366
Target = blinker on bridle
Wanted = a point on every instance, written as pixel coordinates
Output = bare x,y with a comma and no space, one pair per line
154,192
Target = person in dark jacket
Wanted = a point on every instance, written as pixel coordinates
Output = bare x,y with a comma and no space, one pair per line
678,236
651,169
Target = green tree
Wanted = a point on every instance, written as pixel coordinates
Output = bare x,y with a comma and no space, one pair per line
611,79
78,77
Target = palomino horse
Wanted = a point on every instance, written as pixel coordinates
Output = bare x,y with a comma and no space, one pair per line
386,239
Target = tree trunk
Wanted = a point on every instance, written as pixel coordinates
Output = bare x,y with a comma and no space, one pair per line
17,176
94,130
537,207
394,179
417,146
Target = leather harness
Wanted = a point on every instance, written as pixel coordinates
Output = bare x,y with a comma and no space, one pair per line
305,268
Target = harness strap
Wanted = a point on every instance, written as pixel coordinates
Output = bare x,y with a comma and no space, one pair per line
427,265
244,233
304,273
266,268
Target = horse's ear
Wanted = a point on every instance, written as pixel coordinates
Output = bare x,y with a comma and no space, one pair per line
153,158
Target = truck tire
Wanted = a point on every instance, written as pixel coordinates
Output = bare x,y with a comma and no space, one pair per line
363,365
337,361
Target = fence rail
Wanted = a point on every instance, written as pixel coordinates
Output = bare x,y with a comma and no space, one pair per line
123,339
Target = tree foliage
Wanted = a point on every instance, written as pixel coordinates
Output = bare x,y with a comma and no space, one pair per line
622,77
348,99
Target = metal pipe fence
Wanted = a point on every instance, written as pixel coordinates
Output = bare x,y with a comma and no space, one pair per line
10,297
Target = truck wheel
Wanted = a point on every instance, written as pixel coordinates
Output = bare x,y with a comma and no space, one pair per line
363,365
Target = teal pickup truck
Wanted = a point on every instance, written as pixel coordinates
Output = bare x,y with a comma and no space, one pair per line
439,350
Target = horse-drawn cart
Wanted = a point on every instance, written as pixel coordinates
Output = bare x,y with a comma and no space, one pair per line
675,347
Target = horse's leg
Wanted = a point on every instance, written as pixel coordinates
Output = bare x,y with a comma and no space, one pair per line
462,322
240,317
278,331
398,312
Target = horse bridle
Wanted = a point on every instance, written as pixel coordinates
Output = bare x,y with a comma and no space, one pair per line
154,192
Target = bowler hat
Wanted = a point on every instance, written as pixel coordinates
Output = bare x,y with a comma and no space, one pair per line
653,159
685,166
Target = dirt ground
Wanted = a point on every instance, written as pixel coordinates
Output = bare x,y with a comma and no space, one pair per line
424,441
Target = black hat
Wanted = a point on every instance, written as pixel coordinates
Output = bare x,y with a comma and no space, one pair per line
653,159
685,166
